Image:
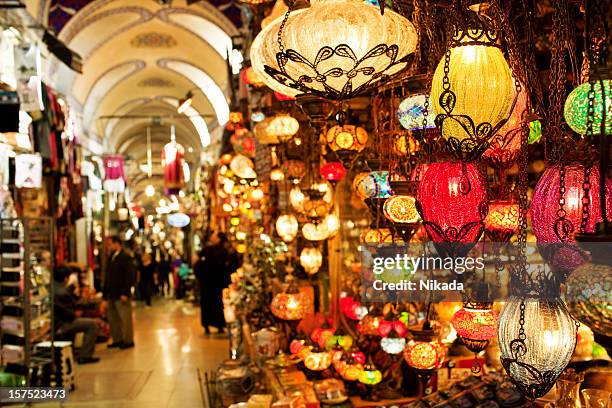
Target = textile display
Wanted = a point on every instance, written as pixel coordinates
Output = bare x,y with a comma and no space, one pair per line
28,74
28,171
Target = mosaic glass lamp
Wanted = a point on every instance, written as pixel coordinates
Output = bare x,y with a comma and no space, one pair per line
577,103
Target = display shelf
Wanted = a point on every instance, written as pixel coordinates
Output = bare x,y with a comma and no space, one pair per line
26,294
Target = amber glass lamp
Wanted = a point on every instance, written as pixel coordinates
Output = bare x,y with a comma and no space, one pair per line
283,126
424,352
291,304
473,91
502,220
311,260
287,227
318,360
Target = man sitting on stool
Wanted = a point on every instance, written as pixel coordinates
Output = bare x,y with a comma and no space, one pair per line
68,320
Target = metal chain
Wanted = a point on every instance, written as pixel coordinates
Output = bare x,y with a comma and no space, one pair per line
281,47
586,197
561,213
522,336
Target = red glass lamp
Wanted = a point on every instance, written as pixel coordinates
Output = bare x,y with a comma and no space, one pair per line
294,170
321,335
475,324
333,171
452,201
555,234
502,220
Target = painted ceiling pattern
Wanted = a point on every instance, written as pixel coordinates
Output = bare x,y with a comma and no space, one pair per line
61,11
153,40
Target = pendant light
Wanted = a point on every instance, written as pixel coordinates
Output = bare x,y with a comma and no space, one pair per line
536,339
472,89
334,49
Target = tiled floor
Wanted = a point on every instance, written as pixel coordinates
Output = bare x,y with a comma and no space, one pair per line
161,371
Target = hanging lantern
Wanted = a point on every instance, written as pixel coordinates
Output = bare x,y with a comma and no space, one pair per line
327,46
577,105
318,198
243,142
588,291
236,121
333,171
242,167
283,127
318,360
411,113
332,223
294,170
315,232
536,341
352,308
251,77
535,132
502,220
549,228
370,375
311,260
260,130
297,345
374,184
346,138
368,326
424,352
376,236
287,227
452,201
401,209
290,305
472,91
277,175
506,144
405,144
393,345
476,325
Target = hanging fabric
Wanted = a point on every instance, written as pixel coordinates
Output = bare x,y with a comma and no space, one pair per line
28,171
114,174
28,74
172,160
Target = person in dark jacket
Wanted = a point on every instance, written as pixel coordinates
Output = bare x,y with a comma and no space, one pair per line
68,320
147,277
163,271
120,276
217,261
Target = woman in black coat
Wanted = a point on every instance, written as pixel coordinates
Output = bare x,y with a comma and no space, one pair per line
217,261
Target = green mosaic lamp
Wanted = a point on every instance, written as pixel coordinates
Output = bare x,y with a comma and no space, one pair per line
577,103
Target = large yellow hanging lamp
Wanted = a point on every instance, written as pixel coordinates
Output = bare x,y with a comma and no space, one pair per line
473,91
334,49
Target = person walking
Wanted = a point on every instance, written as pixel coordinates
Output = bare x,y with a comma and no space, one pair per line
118,284
163,272
147,276
217,261
68,320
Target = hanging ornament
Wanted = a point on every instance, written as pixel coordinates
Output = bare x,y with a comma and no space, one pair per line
556,221
282,127
291,304
588,291
311,260
374,184
411,113
346,141
502,220
333,171
376,236
577,105
476,325
287,227
536,341
424,352
172,162
452,201
472,89
323,50
242,167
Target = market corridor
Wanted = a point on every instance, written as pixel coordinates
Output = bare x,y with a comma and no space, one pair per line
161,371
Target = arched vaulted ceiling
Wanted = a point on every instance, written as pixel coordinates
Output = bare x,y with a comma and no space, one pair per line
140,58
